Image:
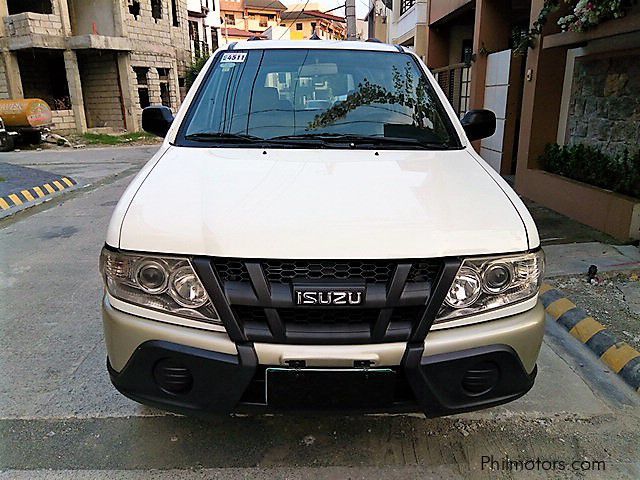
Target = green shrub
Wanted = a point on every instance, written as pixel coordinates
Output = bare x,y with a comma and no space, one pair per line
619,173
193,70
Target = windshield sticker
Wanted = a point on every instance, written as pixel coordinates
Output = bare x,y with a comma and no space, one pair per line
235,57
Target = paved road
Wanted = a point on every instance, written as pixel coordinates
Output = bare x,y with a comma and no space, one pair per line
60,418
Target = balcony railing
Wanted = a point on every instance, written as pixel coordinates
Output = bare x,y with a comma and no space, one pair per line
455,81
405,5
199,49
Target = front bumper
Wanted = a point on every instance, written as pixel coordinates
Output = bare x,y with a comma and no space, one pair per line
192,371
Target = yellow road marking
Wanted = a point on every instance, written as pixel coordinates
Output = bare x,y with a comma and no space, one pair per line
560,307
545,288
4,204
39,192
67,181
58,185
585,329
49,188
617,357
15,199
27,194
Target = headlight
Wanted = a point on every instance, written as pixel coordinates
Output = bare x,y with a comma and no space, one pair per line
483,284
166,284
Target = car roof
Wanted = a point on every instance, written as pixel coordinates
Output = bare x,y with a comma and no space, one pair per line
313,44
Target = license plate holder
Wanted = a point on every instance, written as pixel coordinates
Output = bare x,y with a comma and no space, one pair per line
307,388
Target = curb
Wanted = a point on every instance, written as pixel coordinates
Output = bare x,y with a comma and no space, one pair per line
618,356
28,195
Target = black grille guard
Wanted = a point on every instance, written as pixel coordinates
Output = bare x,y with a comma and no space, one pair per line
255,306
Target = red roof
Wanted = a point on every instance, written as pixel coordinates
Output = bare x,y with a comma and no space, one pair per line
236,32
327,16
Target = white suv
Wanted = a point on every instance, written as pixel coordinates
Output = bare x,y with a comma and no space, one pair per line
317,232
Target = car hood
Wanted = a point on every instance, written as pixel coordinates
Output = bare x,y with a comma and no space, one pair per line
332,204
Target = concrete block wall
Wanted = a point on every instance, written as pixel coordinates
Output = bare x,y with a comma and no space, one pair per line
29,23
64,122
161,37
153,62
99,77
4,86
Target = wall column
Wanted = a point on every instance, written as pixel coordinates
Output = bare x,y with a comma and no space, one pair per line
541,99
127,96
12,71
491,34
63,11
75,90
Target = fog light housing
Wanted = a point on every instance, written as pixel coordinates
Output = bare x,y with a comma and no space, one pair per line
480,379
172,376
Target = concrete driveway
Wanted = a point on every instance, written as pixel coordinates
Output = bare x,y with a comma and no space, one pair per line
60,417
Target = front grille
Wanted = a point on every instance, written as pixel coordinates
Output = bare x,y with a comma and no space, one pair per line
231,270
249,314
267,313
327,316
424,271
285,271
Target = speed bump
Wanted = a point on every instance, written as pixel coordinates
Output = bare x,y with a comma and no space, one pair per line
620,357
26,195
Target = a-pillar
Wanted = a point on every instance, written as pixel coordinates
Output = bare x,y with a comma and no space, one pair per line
75,90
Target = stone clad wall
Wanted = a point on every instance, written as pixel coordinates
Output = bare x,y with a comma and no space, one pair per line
604,110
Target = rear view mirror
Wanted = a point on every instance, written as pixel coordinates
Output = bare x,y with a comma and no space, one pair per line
479,124
156,120
316,69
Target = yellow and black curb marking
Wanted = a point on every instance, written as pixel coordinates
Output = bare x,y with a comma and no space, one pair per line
22,197
619,356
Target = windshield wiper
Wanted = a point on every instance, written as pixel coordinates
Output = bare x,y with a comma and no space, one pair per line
223,136
364,139
245,138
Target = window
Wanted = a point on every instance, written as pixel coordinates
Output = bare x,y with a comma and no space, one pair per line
141,75
313,27
35,6
142,79
229,19
298,26
214,38
156,9
405,5
263,21
340,92
134,8
174,13
165,95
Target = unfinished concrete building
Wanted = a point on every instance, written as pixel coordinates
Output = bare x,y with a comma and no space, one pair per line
96,62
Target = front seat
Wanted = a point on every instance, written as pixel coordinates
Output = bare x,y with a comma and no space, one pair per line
269,116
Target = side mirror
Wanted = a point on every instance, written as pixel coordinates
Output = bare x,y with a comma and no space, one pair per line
479,124
156,120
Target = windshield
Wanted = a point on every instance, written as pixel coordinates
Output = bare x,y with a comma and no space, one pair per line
317,98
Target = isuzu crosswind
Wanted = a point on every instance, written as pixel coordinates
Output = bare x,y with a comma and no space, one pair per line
317,232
